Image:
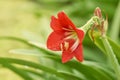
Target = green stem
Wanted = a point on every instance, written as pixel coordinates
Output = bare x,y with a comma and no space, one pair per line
111,56
89,24
114,31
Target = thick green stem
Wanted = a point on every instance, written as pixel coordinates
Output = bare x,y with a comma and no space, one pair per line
89,24
111,56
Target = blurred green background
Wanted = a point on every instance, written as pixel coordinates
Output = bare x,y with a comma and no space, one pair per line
29,19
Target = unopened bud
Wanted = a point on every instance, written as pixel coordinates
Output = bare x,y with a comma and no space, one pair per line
97,12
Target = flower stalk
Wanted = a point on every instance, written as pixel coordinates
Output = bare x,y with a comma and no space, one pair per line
90,23
111,56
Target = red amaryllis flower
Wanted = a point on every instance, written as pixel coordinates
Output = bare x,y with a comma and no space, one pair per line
66,38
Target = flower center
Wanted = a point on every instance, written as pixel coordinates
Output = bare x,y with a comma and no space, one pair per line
71,41
71,35
64,46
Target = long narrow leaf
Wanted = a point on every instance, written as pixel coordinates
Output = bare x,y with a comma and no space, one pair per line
16,70
40,67
86,70
29,43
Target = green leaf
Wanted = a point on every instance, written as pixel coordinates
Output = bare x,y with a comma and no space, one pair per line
71,76
41,67
86,70
16,70
33,73
30,52
40,47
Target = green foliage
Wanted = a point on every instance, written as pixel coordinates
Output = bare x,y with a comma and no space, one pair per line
100,45
98,70
49,65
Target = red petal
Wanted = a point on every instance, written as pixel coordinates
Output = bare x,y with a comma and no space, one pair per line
65,21
67,55
79,53
80,34
55,25
54,40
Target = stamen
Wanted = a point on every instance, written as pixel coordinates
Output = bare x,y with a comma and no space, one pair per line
68,33
61,47
75,45
72,36
67,29
64,46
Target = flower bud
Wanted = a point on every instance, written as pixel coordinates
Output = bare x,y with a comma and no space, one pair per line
97,12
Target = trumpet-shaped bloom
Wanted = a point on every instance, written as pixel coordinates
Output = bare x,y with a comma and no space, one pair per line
66,38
